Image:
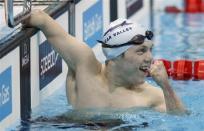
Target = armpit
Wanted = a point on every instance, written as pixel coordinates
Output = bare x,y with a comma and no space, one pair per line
71,88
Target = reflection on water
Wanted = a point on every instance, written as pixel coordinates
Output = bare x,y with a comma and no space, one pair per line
92,120
179,36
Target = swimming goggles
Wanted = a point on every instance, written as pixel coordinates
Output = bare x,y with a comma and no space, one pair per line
136,40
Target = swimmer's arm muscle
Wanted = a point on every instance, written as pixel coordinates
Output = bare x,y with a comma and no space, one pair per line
75,53
171,100
173,103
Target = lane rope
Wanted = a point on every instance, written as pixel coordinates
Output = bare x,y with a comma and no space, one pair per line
184,69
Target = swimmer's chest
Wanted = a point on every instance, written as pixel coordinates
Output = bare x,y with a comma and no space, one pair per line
93,88
124,98
90,90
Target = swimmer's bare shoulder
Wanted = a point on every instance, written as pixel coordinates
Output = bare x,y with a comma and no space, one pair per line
156,97
81,87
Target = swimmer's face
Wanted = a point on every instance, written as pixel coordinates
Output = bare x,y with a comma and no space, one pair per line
137,61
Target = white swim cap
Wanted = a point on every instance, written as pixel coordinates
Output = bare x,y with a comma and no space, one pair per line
119,32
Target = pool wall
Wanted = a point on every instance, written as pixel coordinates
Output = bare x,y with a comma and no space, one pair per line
9,88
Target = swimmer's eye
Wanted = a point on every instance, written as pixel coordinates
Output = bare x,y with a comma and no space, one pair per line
141,51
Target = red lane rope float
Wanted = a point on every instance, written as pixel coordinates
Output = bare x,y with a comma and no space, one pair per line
202,6
199,70
184,69
172,9
190,6
193,6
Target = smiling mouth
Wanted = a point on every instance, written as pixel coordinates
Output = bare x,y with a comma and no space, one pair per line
144,69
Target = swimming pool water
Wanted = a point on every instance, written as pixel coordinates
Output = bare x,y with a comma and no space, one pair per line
177,36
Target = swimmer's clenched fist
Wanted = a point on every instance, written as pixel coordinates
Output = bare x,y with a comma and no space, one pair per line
158,72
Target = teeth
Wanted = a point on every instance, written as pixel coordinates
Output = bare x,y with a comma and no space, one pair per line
144,68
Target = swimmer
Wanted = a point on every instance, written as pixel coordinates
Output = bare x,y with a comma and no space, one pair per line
120,81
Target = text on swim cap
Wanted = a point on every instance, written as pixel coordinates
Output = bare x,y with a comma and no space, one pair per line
117,33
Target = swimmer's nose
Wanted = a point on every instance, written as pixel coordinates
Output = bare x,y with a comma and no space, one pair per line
149,57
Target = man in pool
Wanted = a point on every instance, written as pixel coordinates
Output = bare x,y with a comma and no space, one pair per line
120,82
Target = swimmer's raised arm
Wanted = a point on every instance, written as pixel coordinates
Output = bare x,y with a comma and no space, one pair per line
172,102
74,52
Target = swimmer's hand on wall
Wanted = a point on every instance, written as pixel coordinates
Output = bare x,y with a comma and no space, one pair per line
37,18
